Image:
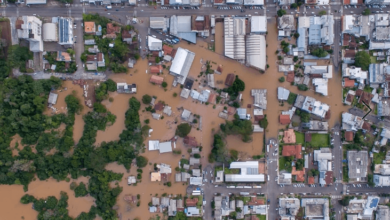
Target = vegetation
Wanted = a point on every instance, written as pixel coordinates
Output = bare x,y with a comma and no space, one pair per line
362,59
366,11
281,12
285,163
322,13
319,52
294,5
218,152
300,137
285,46
345,200
264,122
302,87
237,86
146,99
319,140
183,129
101,92
282,79
237,126
291,98
305,116
81,190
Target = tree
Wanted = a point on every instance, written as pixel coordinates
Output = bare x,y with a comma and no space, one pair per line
157,59
100,108
302,87
319,52
183,129
281,12
237,86
294,5
264,122
281,79
296,35
164,84
146,99
366,11
73,103
81,190
322,13
362,59
111,85
142,161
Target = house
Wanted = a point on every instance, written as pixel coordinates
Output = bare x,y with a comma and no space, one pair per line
185,93
288,207
186,115
284,119
357,166
259,98
349,97
299,174
52,98
355,73
165,147
286,25
94,49
351,122
289,136
197,181
126,88
230,79
172,208
219,176
156,69
112,30
194,161
155,201
89,27
348,136
192,211
318,125
181,65
283,94
127,36
190,141
131,180
385,134
311,105
30,28
241,112
167,49
316,208
292,150
383,213
192,202
63,56
158,80
249,172
349,83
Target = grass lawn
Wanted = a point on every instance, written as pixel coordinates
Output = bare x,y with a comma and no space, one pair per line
300,137
373,59
379,157
319,140
262,217
231,171
283,165
216,169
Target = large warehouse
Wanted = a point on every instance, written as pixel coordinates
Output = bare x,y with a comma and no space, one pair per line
50,33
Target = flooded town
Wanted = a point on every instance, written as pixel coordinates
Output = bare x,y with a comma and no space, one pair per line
207,109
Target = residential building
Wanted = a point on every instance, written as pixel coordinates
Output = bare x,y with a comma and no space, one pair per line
90,42
385,134
318,125
283,94
348,135
288,207
351,122
286,23
52,98
126,88
292,150
380,180
186,115
158,80
201,25
94,49
323,157
312,106
249,172
112,30
181,64
383,108
284,119
349,97
259,98
63,56
127,36
383,213
30,29
241,112
190,141
379,72
180,26
364,208
172,209
355,73
89,27
50,33
36,2
357,166
316,208
289,136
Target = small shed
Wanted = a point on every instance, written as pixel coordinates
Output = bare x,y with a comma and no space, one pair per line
52,98
185,93
186,115
167,110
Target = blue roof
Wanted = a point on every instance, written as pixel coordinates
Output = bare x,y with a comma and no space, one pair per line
374,203
63,27
315,34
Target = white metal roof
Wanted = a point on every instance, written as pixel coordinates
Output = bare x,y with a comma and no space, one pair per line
50,32
244,178
256,51
154,43
165,147
246,164
154,144
181,64
258,24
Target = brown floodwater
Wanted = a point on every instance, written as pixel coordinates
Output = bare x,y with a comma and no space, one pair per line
164,129
11,208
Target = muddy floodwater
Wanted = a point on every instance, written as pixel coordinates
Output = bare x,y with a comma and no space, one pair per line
164,129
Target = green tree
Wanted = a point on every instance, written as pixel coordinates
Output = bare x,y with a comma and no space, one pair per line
100,108
319,52
322,13
183,129
157,60
146,99
281,79
366,11
142,161
296,35
362,59
111,85
281,12
295,59
302,87
81,190
264,122
73,104
164,84
294,5
237,86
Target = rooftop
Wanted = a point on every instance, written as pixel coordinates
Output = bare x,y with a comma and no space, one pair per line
292,150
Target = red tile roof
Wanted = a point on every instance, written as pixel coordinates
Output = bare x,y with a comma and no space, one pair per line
310,180
366,126
284,119
359,92
349,82
156,69
212,98
256,201
299,174
191,202
111,29
229,79
366,98
307,137
191,141
231,110
348,135
167,49
292,150
329,177
349,97
290,77
350,53
159,106
156,79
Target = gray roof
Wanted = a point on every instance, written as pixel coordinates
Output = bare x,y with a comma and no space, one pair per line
65,31
194,161
259,98
383,213
158,23
52,98
165,147
283,93
315,34
357,165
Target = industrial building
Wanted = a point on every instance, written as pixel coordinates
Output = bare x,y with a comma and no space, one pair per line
234,37
249,172
50,33
256,51
181,64
65,31
159,23
180,26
